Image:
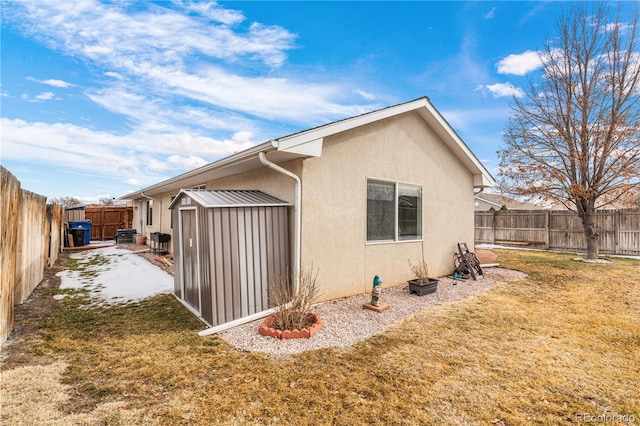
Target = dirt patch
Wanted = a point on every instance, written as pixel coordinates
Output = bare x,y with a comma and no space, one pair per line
486,256
39,373
18,351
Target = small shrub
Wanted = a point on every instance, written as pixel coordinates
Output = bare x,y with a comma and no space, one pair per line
420,271
292,308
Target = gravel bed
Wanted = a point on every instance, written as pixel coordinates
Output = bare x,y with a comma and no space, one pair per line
346,322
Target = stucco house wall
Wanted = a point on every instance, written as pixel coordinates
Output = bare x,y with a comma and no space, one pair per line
407,144
334,206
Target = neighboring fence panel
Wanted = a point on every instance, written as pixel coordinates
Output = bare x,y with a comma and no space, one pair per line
628,232
521,226
74,214
55,218
31,240
10,203
33,246
559,230
106,220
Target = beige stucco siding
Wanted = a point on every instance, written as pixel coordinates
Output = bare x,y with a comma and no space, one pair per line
398,149
264,179
161,216
334,187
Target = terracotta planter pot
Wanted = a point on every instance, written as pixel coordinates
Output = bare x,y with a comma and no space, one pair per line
141,240
266,329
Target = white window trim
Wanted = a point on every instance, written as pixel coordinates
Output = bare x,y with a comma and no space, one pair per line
396,240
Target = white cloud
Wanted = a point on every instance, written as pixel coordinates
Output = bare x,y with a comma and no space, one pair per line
214,12
114,75
153,50
187,163
365,95
490,14
193,81
134,156
52,82
94,29
500,90
520,64
157,114
45,96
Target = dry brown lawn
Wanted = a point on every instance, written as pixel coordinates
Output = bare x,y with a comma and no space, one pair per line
544,350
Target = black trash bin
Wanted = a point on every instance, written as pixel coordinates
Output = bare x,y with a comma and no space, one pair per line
78,236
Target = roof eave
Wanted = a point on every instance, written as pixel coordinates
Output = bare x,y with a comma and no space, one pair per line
237,158
309,143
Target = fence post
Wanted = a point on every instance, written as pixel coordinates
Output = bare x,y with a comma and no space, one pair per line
547,228
616,231
493,227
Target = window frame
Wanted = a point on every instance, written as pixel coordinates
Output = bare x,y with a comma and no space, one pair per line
397,237
149,213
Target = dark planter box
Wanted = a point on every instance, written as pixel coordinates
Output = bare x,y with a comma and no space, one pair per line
125,236
423,288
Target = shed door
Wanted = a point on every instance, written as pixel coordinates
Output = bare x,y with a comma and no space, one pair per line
191,292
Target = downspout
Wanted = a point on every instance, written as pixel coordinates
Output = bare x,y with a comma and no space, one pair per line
297,249
297,214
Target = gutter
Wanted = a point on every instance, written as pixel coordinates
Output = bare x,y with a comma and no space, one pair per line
297,250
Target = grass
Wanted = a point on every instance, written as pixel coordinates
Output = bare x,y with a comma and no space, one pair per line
565,340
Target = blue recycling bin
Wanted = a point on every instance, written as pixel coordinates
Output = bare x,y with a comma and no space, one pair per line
83,224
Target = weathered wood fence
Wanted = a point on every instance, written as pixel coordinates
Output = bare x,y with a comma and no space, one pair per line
559,230
32,238
106,220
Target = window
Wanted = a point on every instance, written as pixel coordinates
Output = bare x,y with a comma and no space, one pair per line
149,212
394,211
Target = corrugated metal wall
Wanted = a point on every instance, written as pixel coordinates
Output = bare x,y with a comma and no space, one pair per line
240,251
177,256
249,249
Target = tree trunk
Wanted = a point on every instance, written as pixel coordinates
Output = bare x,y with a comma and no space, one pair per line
591,234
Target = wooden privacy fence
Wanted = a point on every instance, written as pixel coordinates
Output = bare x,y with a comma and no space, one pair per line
559,230
32,238
106,220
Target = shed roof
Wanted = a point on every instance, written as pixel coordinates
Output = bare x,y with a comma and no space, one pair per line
223,198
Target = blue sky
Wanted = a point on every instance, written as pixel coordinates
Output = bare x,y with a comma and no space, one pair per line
102,98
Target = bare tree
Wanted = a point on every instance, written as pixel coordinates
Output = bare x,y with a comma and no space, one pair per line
67,202
574,136
107,201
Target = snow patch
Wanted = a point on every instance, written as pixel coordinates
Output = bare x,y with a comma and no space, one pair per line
115,275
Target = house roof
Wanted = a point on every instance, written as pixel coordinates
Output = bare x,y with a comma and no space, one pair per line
216,198
498,201
309,143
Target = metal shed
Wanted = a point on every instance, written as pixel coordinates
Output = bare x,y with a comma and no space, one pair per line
228,246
